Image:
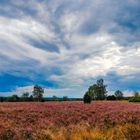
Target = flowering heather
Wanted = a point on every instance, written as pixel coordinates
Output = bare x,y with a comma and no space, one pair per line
33,120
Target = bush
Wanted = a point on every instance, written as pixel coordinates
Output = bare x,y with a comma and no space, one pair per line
111,97
87,98
134,99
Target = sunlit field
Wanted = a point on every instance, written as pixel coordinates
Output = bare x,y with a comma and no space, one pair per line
100,120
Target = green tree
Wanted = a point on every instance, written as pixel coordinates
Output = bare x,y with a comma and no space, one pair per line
101,90
118,94
97,91
38,92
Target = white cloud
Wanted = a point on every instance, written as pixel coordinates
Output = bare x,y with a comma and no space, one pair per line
19,91
91,38
48,92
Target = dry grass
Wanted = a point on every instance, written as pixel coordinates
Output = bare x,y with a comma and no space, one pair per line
82,132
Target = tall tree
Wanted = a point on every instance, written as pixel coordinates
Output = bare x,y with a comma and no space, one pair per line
98,91
38,92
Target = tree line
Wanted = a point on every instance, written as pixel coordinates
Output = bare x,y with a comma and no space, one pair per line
37,95
96,91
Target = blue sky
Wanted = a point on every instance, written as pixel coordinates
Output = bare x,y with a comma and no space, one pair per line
66,45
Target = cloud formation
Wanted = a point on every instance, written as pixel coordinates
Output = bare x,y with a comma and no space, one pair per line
68,44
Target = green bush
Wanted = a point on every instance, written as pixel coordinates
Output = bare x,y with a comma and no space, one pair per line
111,97
87,98
134,99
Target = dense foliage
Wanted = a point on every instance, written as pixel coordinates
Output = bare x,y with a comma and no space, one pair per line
38,92
134,99
111,97
97,91
87,98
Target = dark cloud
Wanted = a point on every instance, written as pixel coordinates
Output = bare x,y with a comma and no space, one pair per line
51,47
68,43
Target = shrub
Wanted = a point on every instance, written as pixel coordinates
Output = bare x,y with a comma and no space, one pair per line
111,97
87,98
134,99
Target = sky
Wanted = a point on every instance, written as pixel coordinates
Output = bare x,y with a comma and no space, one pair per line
66,45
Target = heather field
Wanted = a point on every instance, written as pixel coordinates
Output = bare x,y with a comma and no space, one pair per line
100,120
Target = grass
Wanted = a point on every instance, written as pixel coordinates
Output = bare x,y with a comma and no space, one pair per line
82,132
